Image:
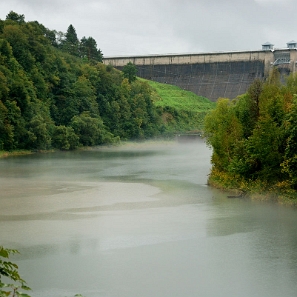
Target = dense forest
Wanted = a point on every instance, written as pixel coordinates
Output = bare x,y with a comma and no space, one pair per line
254,138
56,93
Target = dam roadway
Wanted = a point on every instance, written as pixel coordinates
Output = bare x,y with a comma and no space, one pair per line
211,75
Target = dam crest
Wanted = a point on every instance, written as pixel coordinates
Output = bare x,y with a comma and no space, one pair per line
213,75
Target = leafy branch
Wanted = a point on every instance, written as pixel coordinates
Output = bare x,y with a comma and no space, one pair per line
9,270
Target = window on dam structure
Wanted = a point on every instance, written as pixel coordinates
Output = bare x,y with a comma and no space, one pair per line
281,58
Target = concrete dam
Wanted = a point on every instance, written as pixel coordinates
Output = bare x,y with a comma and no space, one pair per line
212,75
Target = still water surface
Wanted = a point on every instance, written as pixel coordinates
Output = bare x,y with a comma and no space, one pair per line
139,221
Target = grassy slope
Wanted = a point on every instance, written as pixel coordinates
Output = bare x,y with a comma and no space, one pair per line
173,96
189,108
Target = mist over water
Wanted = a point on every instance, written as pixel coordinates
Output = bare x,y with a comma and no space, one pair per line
139,220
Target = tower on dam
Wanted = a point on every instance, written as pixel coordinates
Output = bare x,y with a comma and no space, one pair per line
213,75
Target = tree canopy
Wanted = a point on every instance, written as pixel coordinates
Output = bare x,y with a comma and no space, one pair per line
130,71
254,136
55,92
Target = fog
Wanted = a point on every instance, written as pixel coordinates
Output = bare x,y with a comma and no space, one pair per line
139,220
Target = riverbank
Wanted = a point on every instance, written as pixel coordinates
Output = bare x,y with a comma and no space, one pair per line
279,193
125,144
14,153
5,154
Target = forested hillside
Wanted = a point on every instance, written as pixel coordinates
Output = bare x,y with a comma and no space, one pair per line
254,138
54,92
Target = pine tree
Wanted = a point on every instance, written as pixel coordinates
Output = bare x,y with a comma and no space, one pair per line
88,49
71,42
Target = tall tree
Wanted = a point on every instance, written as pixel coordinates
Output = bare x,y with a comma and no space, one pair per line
13,16
71,42
254,93
88,49
71,35
224,133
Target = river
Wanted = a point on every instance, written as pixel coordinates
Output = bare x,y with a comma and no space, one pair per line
139,221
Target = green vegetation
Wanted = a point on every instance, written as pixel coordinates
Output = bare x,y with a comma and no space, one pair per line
11,283
129,72
9,271
182,111
56,93
4,154
254,140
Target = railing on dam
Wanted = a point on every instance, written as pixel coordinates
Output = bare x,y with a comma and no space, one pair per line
211,75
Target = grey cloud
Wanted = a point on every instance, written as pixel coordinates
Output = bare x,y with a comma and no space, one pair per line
129,27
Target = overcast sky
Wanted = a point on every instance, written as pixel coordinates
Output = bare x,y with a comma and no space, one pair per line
141,27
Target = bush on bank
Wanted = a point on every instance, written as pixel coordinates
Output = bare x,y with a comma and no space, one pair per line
254,140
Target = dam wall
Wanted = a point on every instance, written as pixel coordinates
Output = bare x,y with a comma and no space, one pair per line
211,75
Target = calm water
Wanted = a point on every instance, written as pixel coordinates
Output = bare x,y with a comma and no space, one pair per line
139,221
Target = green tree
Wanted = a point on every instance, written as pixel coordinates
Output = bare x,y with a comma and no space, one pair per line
49,96
84,94
13,125
247,107
64,138
289,165
71,42
291,83
19,42
71,35
6,129
263,147
13,16
38,133
3,87
88,50
129,72
264,150
89,130
224,133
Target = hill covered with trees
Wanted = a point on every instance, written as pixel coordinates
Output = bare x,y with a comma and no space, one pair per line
254,139
56,93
